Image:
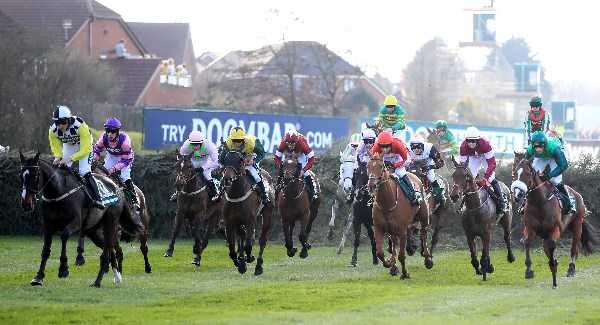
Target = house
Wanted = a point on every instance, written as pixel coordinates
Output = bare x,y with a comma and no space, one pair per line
295,76
91,28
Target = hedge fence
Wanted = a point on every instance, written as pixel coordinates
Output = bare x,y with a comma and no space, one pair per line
154,174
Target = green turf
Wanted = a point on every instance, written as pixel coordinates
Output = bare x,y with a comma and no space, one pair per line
320,289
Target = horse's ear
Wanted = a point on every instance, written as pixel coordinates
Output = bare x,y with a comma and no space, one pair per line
21,156
37,156
454,161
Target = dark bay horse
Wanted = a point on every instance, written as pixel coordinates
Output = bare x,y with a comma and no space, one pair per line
393,214
542,217
437,210
241,211
362,212
64,205
295,205
479,216
193,207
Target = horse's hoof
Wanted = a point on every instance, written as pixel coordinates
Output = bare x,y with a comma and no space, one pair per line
148,269
250,259
571,271
304,253
79,261
196,261
394,270
258,270
529,274
478,272
490,269
510,257
405,276
428,263
36,282
292,252
242,268
63,273
375,261
168,253
410,250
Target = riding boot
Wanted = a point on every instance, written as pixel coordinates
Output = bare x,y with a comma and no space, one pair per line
501,208
213,191
311,188
263,192
409,190
132,194
92,190
438,192
568,207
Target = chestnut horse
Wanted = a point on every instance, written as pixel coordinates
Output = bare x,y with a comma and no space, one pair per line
479,216
393,214
242,209
294,205
542,217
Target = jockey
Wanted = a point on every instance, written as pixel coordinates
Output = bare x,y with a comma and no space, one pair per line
546,152
425,151
368,140
537,118
480,153
253,152
119,157
447,140
391,116
349,154
295,143
204,157
395,153
70,140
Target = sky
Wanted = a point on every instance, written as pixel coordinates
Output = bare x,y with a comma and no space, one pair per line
383,36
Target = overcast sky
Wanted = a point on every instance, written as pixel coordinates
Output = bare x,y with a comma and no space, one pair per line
383,36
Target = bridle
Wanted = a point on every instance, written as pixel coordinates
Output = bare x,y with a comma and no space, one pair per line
287,181
383,179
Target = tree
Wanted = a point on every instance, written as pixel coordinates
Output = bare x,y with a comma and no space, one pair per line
431,78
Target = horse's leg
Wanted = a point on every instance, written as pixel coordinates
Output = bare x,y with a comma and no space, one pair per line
119,256
549,247
39,277
402,253
473,251
529,274
506,225
108,234
250,238
425,252
356,224
197,225
436,230
334,207
267,215
242,235
80,259
378,232
486,264
576,230
291,250
372,238
63,269
303,236
143,237
230,236
176,228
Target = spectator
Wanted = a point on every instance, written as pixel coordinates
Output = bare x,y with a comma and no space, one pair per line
164,67
120,50
171,67
184,71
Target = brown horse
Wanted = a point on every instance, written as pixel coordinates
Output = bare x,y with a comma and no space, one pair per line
437,210
542,217
479,216
295,206
141,217
193,207
393,214
241,211
64,205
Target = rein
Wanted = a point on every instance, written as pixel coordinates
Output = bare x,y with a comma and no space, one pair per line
385,178
237,176
41,189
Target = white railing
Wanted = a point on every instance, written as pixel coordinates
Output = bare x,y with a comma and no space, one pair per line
177,81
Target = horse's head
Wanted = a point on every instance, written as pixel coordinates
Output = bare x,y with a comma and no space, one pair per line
377,172
232,167
347,172
416,167
462,178
361,178
185,170
30,181
290,168
523,179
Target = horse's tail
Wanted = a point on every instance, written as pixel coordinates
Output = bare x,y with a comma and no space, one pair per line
589,237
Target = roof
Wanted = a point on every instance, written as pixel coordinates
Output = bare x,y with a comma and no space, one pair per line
272,60
163,40
133,75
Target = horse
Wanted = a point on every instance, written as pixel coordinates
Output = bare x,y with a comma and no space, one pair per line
142,217
193,207
393,214
436,209
64,207
241,211
479,216
343,195
542,217
295,205
362,210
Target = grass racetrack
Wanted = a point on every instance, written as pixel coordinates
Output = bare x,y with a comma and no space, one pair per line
319,290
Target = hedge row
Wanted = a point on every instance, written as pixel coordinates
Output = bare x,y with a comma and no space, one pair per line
155,176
